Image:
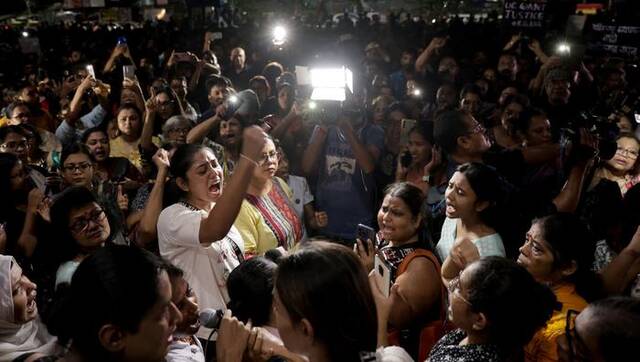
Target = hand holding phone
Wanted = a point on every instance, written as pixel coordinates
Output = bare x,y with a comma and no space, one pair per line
129,72
365,234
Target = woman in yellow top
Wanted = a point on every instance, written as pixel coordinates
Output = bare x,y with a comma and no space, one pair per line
558,252
267,218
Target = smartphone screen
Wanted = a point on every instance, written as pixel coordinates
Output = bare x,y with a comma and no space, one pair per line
128,71
91,72
383,269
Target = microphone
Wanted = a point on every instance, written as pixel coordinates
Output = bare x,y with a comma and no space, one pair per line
210,318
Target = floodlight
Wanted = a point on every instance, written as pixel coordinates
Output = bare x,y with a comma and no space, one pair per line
331,83
279,35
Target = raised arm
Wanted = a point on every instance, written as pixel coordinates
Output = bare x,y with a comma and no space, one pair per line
427,54
147,230
217,224
313,150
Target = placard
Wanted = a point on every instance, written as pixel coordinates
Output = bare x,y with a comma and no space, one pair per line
616,39
524,13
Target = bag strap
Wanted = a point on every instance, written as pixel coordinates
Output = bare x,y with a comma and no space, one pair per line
423,253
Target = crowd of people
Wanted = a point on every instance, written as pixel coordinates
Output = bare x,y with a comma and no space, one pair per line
475,199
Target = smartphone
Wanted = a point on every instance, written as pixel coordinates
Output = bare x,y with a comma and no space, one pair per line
382,268
365,233
122,40
91,72
129,72
406,126
406,159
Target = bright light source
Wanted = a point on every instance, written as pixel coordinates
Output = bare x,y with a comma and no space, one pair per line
25,34
331,83
161,14
417,92
332,78
433,21
564,48
637,117
279,35
233,99
313,105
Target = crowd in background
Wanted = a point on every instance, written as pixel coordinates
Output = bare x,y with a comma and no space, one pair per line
475,199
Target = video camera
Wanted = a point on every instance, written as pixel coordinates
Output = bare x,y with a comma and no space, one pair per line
604,128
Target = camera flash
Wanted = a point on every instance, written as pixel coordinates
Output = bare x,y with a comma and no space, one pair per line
564,48
313,105
417,92
233,99
25,34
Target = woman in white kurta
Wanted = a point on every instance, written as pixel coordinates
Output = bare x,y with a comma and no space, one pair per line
197,234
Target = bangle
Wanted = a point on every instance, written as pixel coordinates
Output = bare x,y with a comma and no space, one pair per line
249,159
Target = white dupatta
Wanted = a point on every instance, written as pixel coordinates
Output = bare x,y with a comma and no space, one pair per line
18,339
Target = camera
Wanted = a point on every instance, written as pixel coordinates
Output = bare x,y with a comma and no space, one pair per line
600,126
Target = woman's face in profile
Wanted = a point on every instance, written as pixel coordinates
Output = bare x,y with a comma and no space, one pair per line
290,332
154,334
24,296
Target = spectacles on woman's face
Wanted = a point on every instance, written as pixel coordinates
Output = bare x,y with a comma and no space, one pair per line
628,153
165,103
578,350
273,155
81,224
71,167
454,289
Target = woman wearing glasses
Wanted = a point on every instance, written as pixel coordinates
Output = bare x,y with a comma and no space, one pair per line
81,226
78,169
497,307
267,218
607,330
622,168
197,233
558,252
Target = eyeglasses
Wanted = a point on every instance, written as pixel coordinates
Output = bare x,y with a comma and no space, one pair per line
80,166
81,224
273,155
454,289
628,153
179,130
11,146
578,350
